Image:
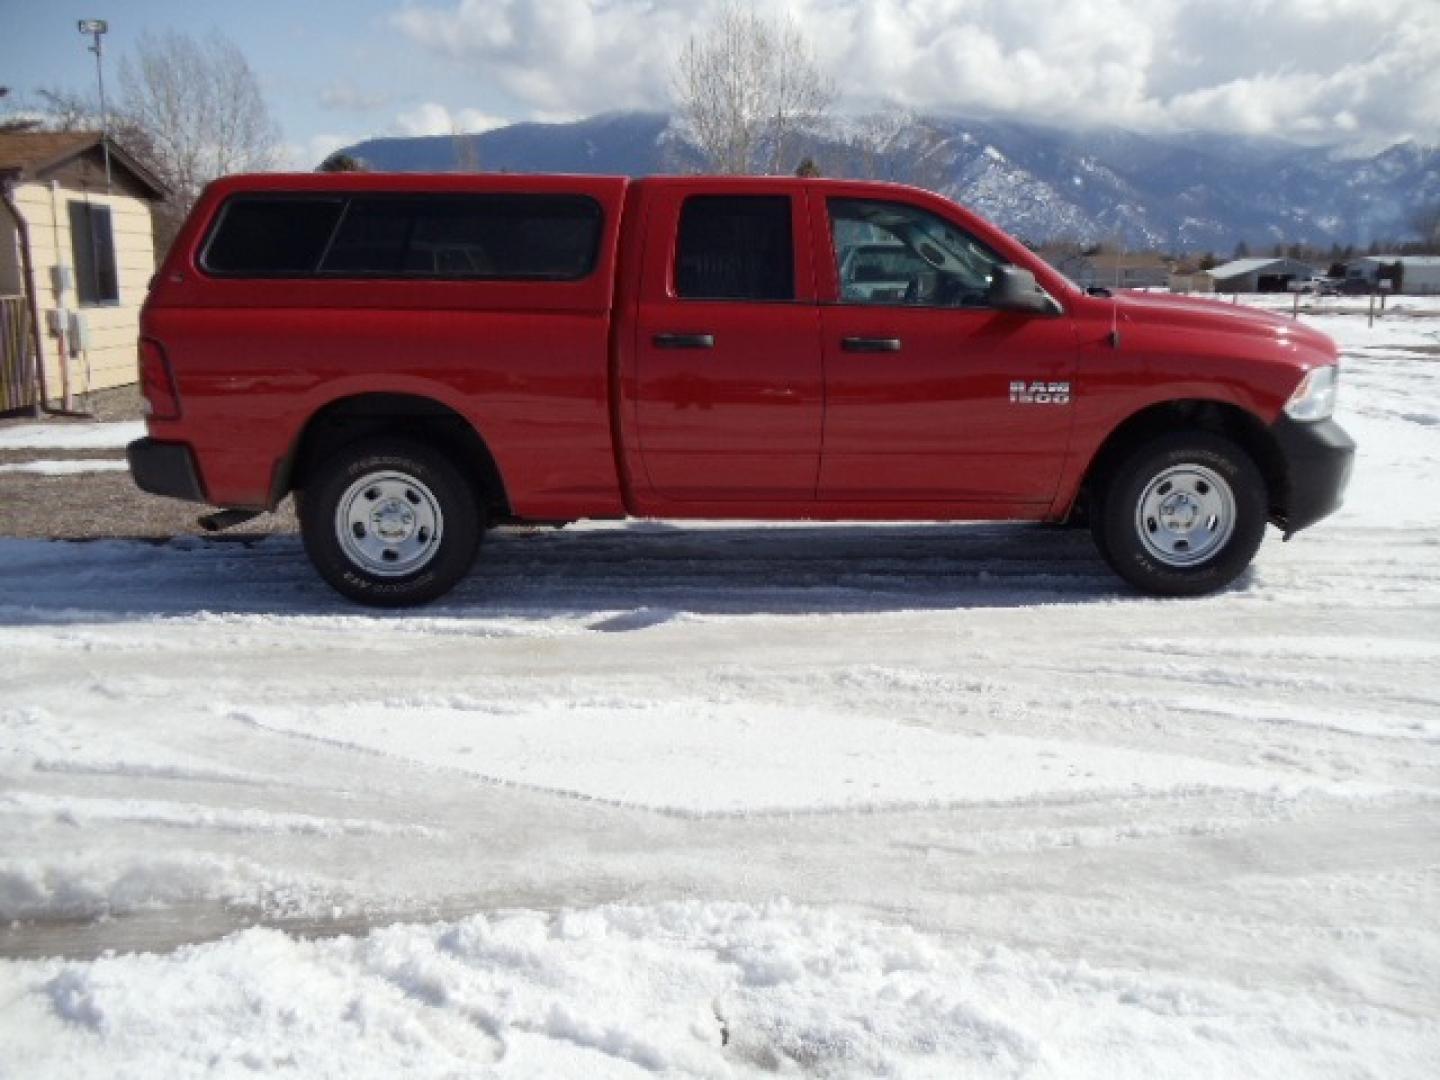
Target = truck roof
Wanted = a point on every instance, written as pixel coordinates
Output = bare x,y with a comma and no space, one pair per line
417,181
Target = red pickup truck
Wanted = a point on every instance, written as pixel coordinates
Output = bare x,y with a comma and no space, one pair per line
420,357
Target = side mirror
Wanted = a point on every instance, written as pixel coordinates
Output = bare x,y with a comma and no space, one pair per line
1013,288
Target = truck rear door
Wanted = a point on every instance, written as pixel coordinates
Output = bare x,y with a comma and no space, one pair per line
727,390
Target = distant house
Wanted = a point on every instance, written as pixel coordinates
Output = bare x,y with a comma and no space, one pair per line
1197,281
76,252
1419,274
1127,270
1260,275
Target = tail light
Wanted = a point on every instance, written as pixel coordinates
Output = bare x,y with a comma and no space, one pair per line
157,383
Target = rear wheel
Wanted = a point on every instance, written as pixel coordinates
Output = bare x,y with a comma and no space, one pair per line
390,523
1183,515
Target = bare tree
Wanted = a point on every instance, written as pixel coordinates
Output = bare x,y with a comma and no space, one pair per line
748,91
199,103
64,110
467,150
190,110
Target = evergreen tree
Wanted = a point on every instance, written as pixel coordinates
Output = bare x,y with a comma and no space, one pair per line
342,162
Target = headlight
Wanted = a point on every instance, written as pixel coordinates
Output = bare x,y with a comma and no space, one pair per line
1314,398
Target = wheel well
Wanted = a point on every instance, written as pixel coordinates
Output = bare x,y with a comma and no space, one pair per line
1214,416
406,416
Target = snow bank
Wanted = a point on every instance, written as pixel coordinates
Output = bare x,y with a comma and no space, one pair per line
64,468
684,989
70,436
71,887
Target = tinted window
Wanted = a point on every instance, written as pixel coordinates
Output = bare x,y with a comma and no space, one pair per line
92,240
372,238
893,254
544,237
735,247
522,237
266,237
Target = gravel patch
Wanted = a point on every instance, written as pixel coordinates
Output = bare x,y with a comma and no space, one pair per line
89,506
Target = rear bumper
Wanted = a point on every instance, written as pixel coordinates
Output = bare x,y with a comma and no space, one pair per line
165,469
1318,458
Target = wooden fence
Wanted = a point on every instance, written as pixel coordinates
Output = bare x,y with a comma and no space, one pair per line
17,380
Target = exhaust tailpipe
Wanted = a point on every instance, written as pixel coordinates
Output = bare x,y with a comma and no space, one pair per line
225,519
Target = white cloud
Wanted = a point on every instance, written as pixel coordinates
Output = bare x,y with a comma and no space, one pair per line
347,97
1356,71
303,157
431,118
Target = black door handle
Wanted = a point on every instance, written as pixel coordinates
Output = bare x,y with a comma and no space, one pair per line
870,344
684,341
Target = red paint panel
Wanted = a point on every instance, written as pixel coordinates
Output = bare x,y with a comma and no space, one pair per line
935,420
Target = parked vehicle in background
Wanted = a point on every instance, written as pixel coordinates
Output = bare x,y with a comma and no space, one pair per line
1318,286
879,272
419,358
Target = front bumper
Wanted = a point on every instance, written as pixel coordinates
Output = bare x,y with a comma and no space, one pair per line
165,469
1318,457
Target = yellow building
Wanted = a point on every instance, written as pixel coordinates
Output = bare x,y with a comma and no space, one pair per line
76,254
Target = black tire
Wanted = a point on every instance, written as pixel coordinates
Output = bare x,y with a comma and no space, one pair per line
1201,552
412,482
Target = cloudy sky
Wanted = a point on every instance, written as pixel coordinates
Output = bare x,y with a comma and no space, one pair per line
1357,73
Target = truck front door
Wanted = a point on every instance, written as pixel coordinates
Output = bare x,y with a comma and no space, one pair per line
932,395
728,392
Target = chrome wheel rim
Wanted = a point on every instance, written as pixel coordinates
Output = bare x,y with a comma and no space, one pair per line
1186,514
389,524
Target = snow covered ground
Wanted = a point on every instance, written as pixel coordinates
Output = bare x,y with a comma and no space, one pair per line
70,436
62,467
713,801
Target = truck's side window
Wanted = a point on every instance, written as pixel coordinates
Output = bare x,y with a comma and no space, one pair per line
271,237
735,247
497,237
514,237
894,254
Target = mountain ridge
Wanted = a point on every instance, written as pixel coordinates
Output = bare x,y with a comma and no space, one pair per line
1180,192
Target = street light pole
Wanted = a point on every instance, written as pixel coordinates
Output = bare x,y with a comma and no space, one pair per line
97,28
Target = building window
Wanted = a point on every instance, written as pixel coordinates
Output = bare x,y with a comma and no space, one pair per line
96,278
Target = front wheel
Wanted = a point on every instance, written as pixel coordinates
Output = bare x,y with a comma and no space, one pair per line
390,523
1183,515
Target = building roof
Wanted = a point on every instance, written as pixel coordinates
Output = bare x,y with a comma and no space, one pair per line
32,155
1407,260
1241,267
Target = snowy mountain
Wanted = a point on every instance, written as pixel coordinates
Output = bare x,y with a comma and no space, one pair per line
1191,192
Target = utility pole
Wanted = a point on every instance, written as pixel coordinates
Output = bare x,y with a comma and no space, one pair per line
97,29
